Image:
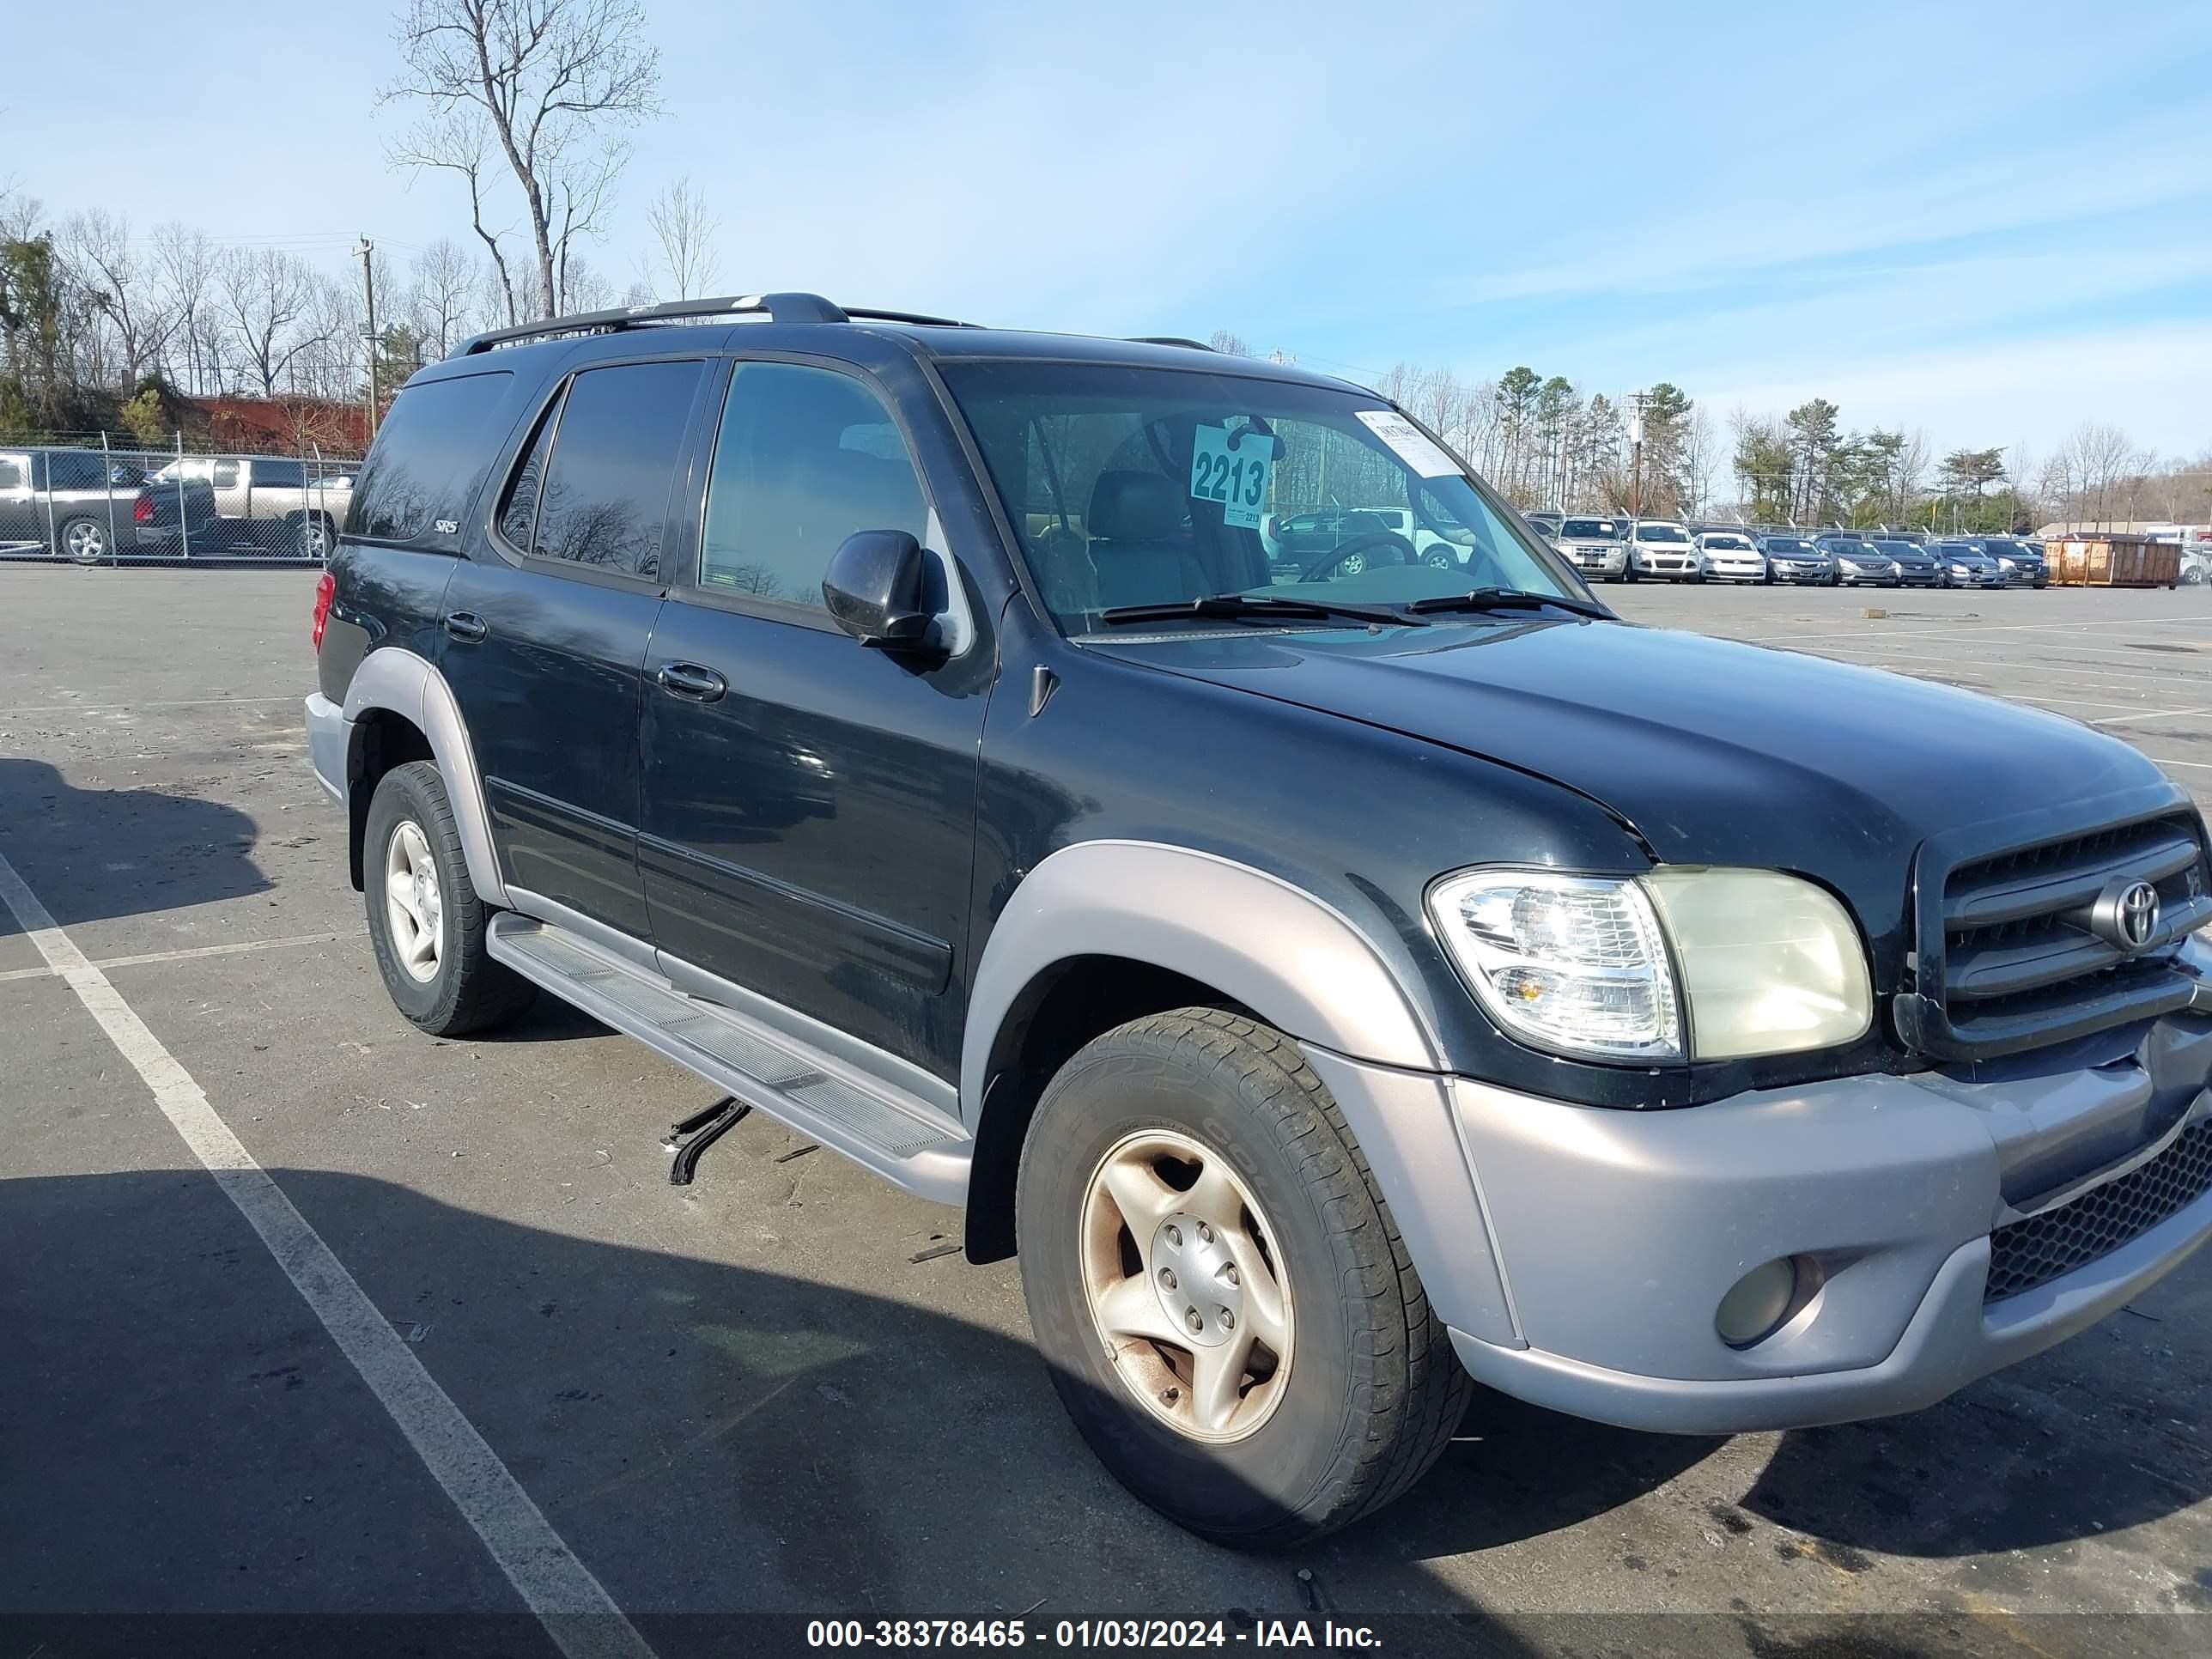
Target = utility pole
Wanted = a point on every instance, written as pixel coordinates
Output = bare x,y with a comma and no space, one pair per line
368,329
1636,455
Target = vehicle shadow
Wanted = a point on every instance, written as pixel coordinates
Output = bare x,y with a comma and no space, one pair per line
94,855
715,1437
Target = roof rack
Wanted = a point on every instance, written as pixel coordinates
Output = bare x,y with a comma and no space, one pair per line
1169,339
777,307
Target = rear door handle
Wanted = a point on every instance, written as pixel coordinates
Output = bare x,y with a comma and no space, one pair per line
467,626
687,679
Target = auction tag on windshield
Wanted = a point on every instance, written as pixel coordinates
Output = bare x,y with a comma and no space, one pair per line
1406,442
1235,477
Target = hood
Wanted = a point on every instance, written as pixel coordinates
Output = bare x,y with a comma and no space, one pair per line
1715,751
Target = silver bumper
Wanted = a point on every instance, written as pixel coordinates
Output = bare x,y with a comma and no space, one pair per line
330,736
1584,1269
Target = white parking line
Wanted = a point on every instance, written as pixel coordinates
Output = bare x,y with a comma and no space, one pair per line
1962,630
2152,714
169,702
2202,766
2013,665
574,1607
237,948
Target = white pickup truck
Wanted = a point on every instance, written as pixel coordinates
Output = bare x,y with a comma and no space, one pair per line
271,503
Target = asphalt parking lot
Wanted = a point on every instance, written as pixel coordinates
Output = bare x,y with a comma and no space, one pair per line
765,1392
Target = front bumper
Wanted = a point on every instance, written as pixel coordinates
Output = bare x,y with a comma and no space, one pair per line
330,736
1599,561
1584,1272
1816,575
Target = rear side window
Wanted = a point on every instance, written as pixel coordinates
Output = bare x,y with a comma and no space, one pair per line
593,487
279,475
803,458
11,472
429,456
74,472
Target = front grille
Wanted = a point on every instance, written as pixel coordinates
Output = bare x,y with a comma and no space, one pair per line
2041,1248
2009,960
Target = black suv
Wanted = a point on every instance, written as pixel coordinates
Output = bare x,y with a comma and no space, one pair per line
1339,983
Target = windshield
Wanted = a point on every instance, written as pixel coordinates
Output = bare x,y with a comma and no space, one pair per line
1727,544
1147,486
1661,532
1590,529
1786,544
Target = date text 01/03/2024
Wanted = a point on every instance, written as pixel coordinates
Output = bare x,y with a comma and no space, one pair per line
939,1633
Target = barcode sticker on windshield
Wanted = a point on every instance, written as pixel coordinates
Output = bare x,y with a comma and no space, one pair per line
1237,477
1406,440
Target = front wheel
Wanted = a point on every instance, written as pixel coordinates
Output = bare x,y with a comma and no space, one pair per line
425,924
1214,1280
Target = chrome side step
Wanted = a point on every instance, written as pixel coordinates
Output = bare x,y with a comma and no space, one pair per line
907,1142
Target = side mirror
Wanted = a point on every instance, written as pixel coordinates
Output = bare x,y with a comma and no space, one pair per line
873,589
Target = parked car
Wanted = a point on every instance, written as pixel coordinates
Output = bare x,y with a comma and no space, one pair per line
1547,524
2022,563
1661,548
269,503
1916,566
1964,565
1630,1063
178,519
1598,547
1391,534
2196,565
1859,563
72,502
1731,556
1794,559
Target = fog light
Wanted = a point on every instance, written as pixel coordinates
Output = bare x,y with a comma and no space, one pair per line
1759,1302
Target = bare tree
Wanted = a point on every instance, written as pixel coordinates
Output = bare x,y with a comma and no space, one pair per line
98,247
454,142
184,262
264,295
685,229
442,296
544,80
1228,343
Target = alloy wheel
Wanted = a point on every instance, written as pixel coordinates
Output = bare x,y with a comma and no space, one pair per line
411,901
1185,1285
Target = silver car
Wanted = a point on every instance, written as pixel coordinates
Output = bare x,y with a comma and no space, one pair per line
1598,546
1731,556
1661,548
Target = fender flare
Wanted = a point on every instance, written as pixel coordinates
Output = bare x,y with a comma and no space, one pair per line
1290,957
411,687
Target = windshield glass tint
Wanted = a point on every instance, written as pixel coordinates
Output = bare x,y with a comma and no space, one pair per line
1591,530
1782,545
1660,532
1142,486
1728,544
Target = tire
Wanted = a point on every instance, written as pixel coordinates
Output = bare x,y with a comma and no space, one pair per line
311,533
84,541
1367,1392
463,989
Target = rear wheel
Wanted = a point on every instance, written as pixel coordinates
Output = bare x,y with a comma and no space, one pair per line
1229,1315
425,924
86,541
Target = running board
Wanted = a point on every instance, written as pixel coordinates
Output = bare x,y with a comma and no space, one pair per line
910,1144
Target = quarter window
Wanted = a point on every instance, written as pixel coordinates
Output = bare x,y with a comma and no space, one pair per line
804,458
596,485
431,453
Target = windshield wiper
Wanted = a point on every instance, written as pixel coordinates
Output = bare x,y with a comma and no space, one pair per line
1508,598
1257,607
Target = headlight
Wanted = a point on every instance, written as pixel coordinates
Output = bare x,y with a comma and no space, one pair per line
1760,963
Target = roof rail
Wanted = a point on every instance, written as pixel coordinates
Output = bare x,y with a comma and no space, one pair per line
777,307
1169,339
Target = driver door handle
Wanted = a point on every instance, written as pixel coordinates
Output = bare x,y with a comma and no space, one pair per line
466,626
690,680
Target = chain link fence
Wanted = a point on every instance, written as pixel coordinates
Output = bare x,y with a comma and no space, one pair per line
88,505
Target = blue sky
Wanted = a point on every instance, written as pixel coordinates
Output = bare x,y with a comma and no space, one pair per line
1989,223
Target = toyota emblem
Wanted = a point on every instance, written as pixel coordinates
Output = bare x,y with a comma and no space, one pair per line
2138,916
2126,914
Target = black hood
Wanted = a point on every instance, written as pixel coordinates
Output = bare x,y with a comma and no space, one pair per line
1714,751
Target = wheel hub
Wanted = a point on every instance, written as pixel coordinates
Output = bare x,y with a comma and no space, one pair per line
1195,1278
